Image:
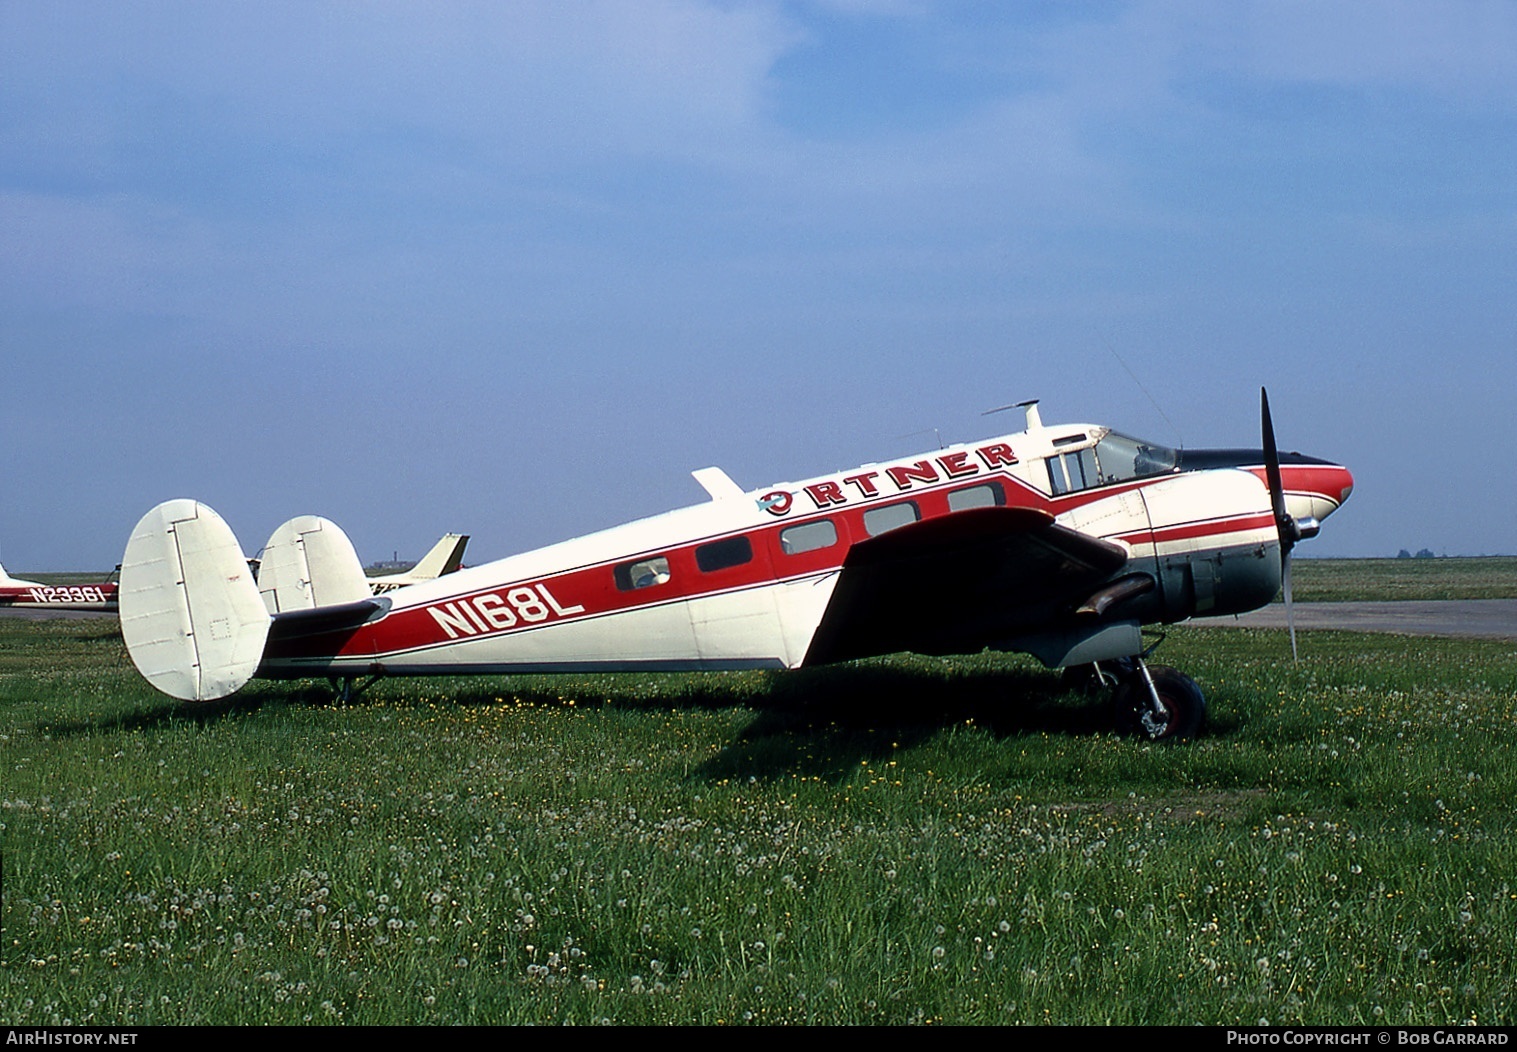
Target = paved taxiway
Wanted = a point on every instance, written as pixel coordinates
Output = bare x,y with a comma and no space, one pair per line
1485,618
36,613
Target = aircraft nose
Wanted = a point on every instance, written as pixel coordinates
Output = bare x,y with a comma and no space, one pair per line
1330,485
1316,490
1344,481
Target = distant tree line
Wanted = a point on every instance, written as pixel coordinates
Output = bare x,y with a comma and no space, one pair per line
1423,554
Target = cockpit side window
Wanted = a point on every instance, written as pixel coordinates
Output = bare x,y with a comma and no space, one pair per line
1115,458
1070,472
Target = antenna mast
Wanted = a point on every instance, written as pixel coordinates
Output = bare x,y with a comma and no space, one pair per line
1034,420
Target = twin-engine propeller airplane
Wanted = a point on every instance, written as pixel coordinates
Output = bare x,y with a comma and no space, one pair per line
1057,541
36,595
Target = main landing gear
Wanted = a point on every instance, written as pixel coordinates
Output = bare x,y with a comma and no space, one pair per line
346,688
1155,702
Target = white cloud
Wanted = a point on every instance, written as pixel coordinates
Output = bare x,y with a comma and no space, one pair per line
659,75
1453,48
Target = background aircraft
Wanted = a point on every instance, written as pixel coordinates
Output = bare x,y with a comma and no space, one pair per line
446,556
34,594
1061,542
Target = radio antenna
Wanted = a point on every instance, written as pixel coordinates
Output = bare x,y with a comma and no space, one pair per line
1146,394
936,434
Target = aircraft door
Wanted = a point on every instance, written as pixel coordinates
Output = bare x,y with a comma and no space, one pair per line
735,618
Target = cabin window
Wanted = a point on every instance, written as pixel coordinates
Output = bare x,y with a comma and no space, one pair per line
808,537
644,573
891,517
985,495
722,555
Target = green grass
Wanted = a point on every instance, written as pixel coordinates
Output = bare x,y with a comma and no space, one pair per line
893,842
1339,580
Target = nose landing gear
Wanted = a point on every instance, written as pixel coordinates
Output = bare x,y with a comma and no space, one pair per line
1159,703
1155,702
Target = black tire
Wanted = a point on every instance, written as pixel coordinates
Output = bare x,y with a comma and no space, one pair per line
1183,704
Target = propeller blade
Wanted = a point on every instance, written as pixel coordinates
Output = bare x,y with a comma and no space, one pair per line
1290,617
1285,526
1272,472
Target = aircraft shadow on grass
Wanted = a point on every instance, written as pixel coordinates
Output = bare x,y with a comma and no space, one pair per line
821,722
824,723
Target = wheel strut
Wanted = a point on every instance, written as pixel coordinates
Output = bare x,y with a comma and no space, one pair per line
1152,715
345,688
1160,703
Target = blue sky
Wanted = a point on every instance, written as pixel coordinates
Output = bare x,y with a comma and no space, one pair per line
514,269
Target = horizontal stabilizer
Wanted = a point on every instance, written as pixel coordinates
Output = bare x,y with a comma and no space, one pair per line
308,563
295,624
190,612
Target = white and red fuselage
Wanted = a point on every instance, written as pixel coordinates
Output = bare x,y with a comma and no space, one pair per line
1034,541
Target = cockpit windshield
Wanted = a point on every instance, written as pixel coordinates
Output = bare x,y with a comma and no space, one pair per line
1113,458
1121,457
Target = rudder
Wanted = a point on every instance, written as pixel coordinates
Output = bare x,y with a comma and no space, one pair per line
191,615
308,563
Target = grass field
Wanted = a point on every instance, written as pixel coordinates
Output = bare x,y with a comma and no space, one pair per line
892,842
1337,580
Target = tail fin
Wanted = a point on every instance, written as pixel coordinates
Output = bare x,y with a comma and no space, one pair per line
6,578
446,556
309,562
191,615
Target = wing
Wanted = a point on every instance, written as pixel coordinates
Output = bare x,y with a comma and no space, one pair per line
960,583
